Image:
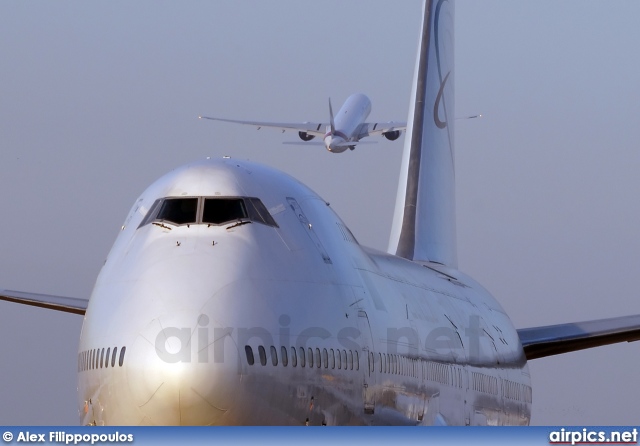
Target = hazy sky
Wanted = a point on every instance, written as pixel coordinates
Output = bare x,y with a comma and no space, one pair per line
98,99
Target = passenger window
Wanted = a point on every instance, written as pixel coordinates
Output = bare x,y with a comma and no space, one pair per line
285,360
318,360
121,359
274,356
325,358
332,359
357,360
223,210
350,359
101,358
301,357
339,359
179,211
344,359
113,358
310,357
249,352
263,355
294,359
106,357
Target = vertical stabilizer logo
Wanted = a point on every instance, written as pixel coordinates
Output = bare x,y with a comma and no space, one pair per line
436,107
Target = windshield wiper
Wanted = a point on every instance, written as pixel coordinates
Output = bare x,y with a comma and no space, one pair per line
239,223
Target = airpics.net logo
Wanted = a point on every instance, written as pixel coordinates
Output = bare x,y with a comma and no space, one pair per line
187,345
589,436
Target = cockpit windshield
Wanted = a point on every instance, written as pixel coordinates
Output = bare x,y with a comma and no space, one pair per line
179,211
258,213
221,210
208,210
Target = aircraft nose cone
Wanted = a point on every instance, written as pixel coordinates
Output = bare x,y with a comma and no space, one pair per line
183,372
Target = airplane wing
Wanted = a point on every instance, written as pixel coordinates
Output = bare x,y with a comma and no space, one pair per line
539,342
378,128
311,128
59,303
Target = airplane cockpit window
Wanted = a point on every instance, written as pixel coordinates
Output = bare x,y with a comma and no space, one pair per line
259,213
153,211
208,210
222,210
180,211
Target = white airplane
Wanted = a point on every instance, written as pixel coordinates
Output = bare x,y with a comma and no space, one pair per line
234,295
344,131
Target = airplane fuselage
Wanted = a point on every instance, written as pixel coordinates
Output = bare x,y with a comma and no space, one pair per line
348,122
284,318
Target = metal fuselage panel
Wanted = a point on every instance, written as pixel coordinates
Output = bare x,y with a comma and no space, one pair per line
347,335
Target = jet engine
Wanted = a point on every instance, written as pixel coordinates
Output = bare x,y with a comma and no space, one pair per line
305,136
392,135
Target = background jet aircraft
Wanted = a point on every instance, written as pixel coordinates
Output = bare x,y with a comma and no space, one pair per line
539,206
344,130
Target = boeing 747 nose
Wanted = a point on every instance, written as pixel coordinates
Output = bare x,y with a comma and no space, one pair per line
202,283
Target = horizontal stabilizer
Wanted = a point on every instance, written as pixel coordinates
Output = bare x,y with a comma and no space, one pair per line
539,342
320,143
379,128
59,303
303,143
311,128
354,143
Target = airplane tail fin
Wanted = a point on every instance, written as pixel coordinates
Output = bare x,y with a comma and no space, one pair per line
331,120
424,227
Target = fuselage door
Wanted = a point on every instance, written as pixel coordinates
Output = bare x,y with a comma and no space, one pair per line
367,363
469,398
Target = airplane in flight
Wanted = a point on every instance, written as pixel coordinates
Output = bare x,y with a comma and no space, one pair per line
343,131
235,295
